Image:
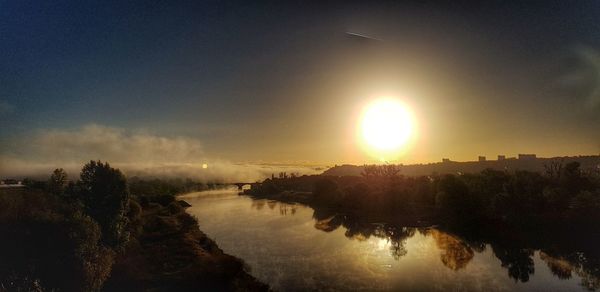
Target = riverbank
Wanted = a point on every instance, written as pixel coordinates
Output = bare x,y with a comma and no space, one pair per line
171,253
415,217
54,246
523,207
344,251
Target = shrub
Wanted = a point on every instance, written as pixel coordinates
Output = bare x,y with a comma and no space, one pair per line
51,246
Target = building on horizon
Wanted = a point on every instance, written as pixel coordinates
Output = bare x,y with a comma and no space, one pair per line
445,160
501,157
526,156
481,158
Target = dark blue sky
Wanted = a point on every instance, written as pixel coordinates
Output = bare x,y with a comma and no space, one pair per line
276,81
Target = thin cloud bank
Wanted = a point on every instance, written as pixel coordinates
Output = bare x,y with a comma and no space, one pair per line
137,153
586,78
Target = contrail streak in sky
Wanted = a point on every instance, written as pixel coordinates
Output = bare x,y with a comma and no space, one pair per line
358,35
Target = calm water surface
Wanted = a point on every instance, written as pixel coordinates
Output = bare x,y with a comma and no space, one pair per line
286,247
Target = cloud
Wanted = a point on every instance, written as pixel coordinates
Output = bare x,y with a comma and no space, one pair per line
135,152
586,77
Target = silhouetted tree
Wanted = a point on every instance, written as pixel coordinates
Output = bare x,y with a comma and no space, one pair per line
57,183
584,208
390,170
356,195
370,171
326,190
554,169
454,200
104,193
524,193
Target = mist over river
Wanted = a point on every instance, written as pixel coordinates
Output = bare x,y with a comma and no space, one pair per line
292,248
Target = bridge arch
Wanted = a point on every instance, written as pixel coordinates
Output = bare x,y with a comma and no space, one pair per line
241,185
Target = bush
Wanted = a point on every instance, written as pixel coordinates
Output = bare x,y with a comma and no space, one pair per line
52,246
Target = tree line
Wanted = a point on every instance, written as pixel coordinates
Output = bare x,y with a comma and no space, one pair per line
562,196
66,233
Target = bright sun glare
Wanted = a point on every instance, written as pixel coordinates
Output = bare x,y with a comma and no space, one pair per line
386,126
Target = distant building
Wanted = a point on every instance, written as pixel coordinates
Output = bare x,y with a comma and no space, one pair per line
445,159
501,157
526,156
481,158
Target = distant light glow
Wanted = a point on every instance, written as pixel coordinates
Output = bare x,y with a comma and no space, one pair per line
204,166
386,127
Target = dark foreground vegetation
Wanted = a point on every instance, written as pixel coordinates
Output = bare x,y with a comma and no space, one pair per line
103,233
556,212
564,197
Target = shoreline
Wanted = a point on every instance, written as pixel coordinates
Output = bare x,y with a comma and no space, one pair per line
508,233
170,252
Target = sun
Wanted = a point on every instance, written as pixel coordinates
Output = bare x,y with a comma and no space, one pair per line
386,126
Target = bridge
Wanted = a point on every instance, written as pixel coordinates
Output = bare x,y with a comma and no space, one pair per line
240,185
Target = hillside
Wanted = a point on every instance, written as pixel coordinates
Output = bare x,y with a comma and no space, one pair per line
588,163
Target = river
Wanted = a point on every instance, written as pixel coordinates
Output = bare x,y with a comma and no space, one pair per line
285,246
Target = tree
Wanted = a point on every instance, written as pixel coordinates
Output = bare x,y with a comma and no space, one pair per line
326,190
370,171
554,169
58,181
584,208
572,178
105,196
390,170
454,200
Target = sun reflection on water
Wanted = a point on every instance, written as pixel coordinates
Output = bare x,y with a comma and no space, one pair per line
305,249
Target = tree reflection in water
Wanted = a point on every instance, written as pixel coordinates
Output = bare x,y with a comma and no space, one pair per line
518,261
565,265
258,204
558,265
456,251
287,209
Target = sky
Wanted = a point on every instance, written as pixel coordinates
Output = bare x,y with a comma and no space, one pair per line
281,82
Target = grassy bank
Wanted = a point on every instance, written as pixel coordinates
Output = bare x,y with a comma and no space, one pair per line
170,253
